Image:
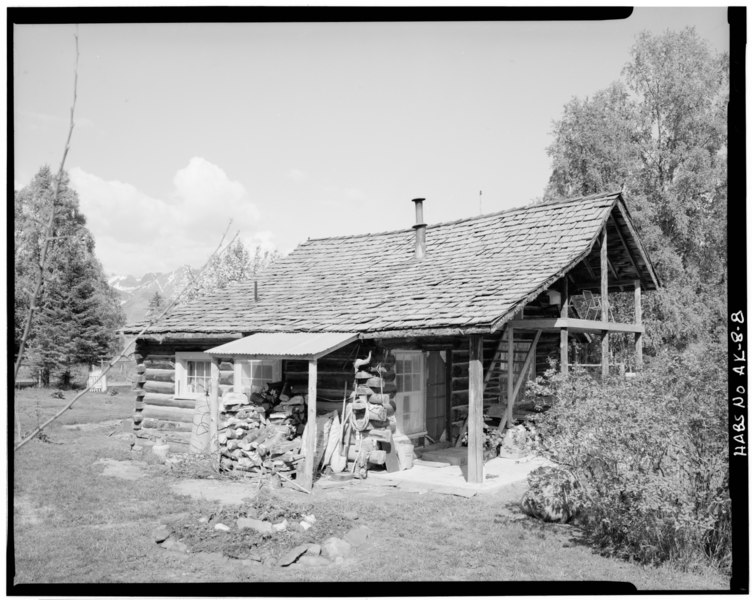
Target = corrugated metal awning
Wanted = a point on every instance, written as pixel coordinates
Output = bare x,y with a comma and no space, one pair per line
304,346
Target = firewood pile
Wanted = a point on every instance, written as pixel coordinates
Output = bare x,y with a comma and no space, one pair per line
369,421
260,434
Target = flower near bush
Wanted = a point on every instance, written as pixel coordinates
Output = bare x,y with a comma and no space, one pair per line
651,453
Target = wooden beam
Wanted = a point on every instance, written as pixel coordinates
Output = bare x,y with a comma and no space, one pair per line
448,395
590,270
564,334
575,325
214,409
475,411
626,247
310,447
638,321
638,243
510,372
604,302
499,350
525,366
595,284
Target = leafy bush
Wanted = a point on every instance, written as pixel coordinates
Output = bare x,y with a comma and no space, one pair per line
651,453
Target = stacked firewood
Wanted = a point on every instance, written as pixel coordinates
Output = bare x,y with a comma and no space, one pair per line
252,438
369,420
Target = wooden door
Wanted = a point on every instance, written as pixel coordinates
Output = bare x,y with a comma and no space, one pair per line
436,396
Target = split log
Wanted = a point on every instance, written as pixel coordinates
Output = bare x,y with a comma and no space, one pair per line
153,396
159,374
160,387
180,415
166,362
377,457
140,369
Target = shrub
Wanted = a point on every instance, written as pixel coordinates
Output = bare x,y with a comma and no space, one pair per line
651,453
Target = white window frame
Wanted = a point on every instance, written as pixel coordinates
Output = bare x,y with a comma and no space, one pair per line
237,384
398,398
181,373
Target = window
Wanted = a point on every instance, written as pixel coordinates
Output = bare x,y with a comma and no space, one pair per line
192,374
251,375
410,397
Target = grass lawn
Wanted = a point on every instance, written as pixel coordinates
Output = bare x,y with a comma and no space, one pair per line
71,523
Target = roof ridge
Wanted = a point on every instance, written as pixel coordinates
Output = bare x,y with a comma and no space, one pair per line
527,207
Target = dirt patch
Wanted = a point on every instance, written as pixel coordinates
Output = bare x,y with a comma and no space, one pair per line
27,512
226,492
122,469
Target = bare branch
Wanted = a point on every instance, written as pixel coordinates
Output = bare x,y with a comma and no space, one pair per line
49,231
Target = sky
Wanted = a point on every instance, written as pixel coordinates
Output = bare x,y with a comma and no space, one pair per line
305,130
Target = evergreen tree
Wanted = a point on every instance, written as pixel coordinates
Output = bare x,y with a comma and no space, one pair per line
156,303
79,312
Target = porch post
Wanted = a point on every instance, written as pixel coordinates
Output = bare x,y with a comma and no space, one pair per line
604,302
475,411
510,373
638,321
448,395
564,334
310,447
214,407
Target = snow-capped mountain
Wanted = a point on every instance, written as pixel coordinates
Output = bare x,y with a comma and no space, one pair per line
136,292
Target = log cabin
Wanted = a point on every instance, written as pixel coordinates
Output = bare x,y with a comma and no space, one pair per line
470,309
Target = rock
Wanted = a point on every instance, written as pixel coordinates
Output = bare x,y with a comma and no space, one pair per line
160,534
255,524
314,561
203,520
305,525
309,519
221,527
313,550
358,536
351,515
280,526
335,547
174,545
292,555
554,495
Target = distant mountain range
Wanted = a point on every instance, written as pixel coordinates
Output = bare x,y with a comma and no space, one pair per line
136,292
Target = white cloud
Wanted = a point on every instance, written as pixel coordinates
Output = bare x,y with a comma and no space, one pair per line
137,233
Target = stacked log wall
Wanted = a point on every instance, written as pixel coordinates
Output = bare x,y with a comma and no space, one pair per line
158,413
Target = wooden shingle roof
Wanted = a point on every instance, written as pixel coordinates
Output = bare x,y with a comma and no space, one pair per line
475,274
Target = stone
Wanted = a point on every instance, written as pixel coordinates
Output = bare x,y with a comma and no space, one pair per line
160,534
255,524
313,550
203,520
335,547
314,561
554,495
221,527
309,519
350,515
292,555
280,526
305,525
358,536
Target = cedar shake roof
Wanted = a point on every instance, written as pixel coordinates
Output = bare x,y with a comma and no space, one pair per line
475,274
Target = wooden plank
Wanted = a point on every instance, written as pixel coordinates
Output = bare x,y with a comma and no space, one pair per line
575,325
523,371
496,356
448,395
152,423
604,302
638,321
475,414
510,371
310,447
564,334
214,408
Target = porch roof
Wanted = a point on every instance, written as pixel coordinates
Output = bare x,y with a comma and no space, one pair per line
303,346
